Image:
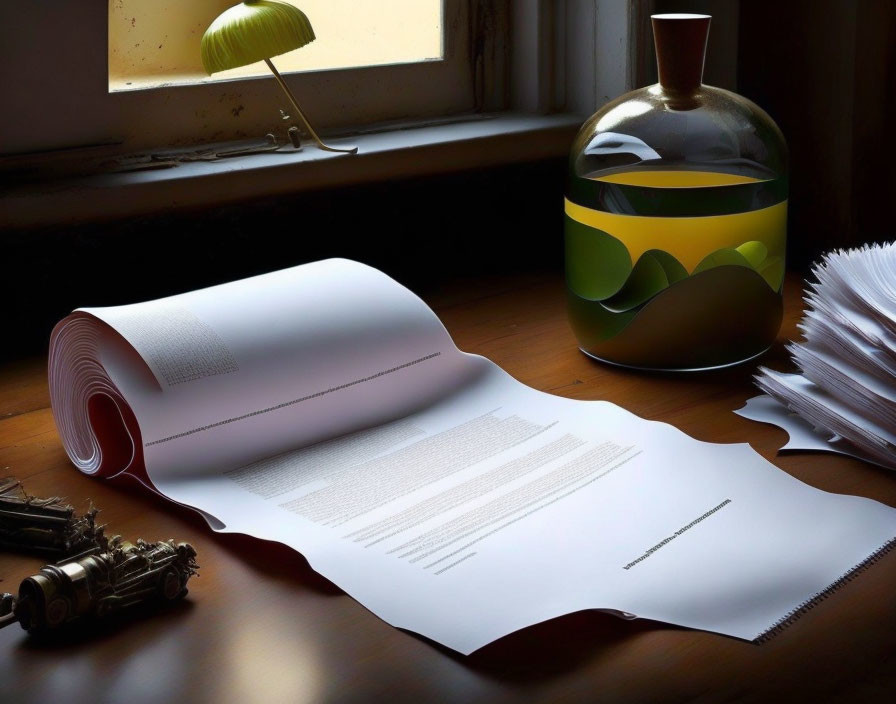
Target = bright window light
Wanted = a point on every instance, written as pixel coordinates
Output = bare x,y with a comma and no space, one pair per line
154,43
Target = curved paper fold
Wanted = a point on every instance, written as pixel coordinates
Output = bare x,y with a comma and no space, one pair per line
597,264
801,436
653,272
772,270
104,440
722,257
754,252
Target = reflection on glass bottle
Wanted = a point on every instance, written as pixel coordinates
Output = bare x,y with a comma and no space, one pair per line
676,215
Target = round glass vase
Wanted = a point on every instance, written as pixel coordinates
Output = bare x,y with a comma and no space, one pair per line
676,219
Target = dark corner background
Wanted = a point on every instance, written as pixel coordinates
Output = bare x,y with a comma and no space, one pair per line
422,231
823,69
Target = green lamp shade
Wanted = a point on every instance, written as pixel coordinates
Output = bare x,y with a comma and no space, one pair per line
253,31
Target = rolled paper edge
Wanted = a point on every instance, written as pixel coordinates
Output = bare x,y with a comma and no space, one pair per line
96,424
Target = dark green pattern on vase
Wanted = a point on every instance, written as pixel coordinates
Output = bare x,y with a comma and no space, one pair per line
655,314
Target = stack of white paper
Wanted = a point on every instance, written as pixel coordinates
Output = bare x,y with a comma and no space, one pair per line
847,389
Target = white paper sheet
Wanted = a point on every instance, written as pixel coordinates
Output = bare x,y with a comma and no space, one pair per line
801,435
832,416
327,408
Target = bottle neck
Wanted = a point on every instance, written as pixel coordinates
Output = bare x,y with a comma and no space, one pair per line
680,42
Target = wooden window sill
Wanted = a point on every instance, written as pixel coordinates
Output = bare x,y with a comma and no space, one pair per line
471,143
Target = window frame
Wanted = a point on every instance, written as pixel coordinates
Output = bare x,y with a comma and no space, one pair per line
531,91
530,56
75,108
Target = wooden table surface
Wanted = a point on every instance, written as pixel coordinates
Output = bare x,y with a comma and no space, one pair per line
260,625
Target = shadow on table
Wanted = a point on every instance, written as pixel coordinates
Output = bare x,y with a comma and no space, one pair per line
553,647
152,617
775,357
276,561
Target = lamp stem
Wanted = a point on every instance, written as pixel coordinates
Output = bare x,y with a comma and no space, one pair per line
295,105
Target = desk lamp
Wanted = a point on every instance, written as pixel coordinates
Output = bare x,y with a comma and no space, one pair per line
257,30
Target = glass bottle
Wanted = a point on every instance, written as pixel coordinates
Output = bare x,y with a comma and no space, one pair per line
676,219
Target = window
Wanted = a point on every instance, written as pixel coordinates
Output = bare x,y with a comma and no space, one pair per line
511,81
154,42
64,47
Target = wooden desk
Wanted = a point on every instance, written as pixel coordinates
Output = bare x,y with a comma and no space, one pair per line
260,625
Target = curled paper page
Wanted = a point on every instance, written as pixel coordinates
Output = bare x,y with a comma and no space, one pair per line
801,434
327,408
832,415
